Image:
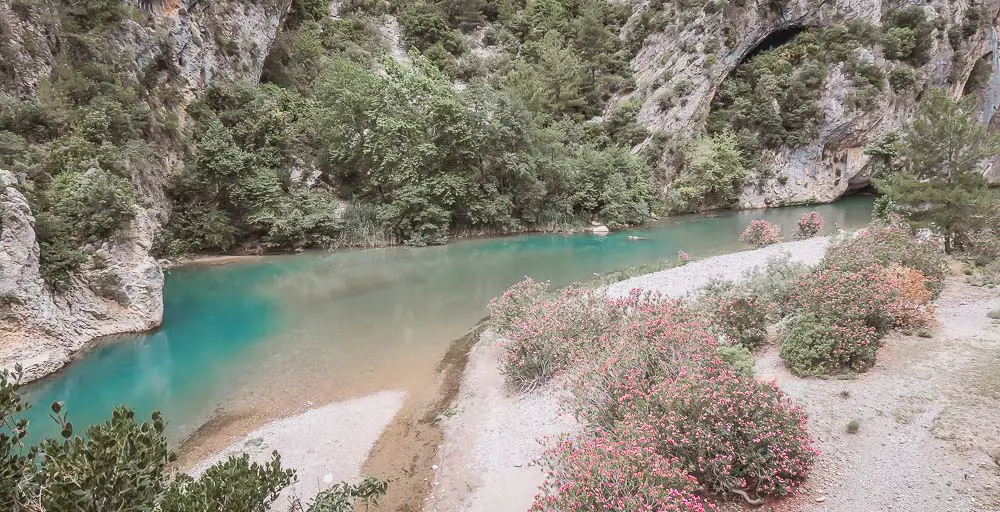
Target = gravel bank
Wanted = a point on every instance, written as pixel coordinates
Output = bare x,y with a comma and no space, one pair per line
492,435
329,442
679,282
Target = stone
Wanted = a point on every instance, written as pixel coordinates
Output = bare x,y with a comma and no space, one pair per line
600,229
685,53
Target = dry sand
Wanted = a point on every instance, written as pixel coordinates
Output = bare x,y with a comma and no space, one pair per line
329,442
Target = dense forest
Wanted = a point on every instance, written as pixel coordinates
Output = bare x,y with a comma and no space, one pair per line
486,116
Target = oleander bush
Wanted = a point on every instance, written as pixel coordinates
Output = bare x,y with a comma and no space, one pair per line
810,225
599,472
735,435
738,318
761,233
888,246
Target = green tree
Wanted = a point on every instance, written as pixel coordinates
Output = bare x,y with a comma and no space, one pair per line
122,465
940,184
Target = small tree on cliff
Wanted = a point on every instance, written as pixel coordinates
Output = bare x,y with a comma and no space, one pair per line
940,185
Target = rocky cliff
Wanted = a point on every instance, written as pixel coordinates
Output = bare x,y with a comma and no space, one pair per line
685,51
695,51
188,43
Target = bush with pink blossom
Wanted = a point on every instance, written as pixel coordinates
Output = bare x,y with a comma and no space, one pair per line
734,434
889,246
810,225
761,233
596,472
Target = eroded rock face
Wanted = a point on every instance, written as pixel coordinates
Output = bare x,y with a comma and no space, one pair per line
188,41
39,328
697,52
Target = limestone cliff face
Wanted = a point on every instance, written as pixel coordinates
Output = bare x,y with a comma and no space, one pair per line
39,328
194,43
684,52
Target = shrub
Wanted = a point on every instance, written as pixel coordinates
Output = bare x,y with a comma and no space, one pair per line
810,225
510,310
734,434
817,345
551,333
738,318
122,464
738,358
853,426
761,233
597,472
650,347
888,246
868,296
901,78
915,308
96,203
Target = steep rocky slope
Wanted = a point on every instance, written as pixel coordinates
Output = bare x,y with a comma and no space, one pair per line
695,51
189,44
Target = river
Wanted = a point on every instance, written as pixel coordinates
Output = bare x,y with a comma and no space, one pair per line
265,338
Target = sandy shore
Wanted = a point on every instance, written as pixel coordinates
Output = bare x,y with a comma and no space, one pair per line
492,437
928,412
330,442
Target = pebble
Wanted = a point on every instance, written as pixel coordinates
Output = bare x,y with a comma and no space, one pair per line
434,467
821,499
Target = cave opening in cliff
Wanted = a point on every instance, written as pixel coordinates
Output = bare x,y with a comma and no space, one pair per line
772,41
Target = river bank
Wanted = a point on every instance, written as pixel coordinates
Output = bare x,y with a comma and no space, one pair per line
927,411
324,445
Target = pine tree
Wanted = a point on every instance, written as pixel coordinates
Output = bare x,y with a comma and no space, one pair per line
940,185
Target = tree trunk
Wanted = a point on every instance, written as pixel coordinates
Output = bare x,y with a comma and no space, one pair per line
947,243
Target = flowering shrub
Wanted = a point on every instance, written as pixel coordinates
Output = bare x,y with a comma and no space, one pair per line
738,318
888,246
810,225
734,434
816,345
867,296
647,351
599,473
551,333
509,311
760,233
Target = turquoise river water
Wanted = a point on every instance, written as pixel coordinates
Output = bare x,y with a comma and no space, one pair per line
272,336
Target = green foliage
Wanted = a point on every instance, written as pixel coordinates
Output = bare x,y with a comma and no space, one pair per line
907,35
902,78
792,75
853,426
235,186
738,357
884,153
84,133
940,185
342,497
96,204
714,176
815,345
123,465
